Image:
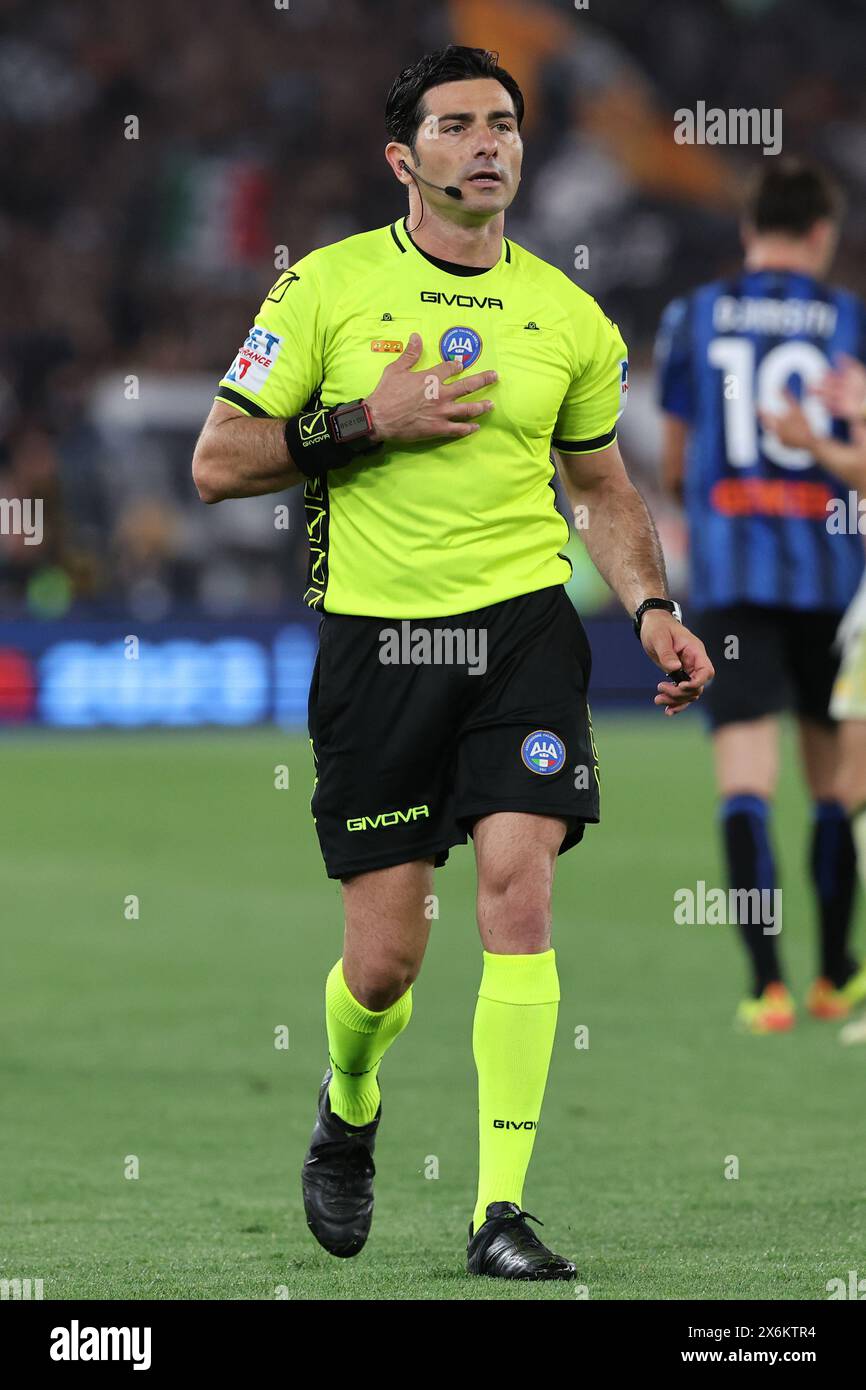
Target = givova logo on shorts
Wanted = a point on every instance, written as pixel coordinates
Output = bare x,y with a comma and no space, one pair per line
387,818
543,752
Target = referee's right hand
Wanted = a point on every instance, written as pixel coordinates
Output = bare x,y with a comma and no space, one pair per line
408,406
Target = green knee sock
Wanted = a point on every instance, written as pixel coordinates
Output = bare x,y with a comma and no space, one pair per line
358,1039
512,1040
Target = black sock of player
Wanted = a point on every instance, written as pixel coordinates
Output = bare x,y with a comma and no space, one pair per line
833,862
745,826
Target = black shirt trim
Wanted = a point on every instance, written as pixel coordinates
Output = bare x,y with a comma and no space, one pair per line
225,393
583,446
452,267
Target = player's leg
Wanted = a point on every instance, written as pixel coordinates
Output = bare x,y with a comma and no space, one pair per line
383,807
848,707
747,762
851,790
368,995
527,784
742,703
814,663
850,786
515,1017
368,1003
833,865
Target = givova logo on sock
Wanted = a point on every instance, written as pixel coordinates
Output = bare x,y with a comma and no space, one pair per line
515,1124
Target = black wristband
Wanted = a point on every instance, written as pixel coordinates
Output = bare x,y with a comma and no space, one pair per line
669,604
312,447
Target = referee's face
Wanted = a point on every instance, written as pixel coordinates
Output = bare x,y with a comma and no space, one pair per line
469,138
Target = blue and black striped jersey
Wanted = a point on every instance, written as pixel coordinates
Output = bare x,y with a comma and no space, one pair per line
758,510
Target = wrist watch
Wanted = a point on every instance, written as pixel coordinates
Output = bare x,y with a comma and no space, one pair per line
670,606
351,425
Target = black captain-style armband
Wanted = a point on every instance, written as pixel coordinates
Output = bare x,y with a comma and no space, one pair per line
330,437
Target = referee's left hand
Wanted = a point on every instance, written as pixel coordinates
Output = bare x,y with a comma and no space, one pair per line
679,653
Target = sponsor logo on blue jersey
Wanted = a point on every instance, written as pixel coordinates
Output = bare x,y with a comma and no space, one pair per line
543,752
460,344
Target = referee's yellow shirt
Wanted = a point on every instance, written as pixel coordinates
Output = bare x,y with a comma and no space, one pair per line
435,528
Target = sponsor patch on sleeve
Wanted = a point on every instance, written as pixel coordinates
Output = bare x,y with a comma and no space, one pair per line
623,386
255,359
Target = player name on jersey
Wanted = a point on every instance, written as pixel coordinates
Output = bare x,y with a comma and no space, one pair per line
813,318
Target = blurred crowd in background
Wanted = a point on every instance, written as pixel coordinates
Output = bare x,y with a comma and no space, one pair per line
154,157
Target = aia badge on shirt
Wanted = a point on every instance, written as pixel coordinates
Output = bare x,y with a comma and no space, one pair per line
543,752
254,361
462,344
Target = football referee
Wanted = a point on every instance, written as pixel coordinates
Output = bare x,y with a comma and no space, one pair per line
413,380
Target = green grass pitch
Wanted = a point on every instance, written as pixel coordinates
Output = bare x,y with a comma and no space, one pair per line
154,1038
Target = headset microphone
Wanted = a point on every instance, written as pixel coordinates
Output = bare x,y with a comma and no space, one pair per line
448,188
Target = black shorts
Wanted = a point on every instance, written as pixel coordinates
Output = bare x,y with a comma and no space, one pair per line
782,659
408,756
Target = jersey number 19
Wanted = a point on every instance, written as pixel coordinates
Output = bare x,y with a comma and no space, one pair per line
745,391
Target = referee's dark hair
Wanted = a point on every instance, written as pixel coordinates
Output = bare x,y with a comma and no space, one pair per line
404,108
790,197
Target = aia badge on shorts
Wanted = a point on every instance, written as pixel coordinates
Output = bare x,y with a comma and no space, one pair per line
543,752
462,344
